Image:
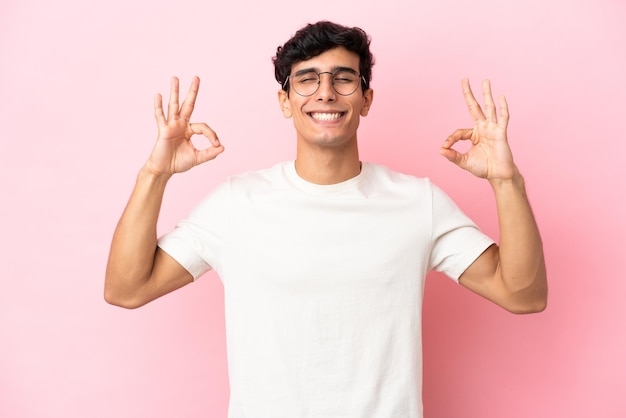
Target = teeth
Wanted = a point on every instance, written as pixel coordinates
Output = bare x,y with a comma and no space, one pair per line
325,116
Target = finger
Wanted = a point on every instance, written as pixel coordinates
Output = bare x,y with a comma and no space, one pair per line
473,106
207,132
490,107
208,154
503,121
158,111
456,136
190,101
172,106
454,156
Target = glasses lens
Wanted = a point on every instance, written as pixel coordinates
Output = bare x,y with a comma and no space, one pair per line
305,84
345,82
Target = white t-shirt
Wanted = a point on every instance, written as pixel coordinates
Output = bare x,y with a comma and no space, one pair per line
323,286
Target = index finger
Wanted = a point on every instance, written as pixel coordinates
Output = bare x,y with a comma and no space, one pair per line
474,108
490,107
190,101
172,105
158,111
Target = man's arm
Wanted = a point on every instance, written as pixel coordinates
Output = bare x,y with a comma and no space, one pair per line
138,271
513,275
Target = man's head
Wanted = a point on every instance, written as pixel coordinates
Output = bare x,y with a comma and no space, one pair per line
324,64
314,39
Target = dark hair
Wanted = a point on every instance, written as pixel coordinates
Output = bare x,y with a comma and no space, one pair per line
317,38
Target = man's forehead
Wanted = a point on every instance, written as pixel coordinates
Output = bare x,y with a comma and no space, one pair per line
329,60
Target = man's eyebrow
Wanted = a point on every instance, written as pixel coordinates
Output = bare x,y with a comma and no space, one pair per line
333,69
306,70
342,68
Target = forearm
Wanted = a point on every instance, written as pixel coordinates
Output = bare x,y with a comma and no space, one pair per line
133,247
521,260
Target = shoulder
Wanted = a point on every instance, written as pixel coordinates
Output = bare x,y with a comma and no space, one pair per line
389,179
241,186
259,178
409,187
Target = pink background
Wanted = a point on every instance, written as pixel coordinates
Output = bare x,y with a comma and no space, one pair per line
77,81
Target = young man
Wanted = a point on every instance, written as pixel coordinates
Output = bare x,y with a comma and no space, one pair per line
323,259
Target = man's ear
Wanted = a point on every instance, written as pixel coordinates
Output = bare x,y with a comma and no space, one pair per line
368,98
283,101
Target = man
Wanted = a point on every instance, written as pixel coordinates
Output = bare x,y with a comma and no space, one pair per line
323,259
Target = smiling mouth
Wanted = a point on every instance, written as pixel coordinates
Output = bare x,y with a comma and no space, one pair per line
325,116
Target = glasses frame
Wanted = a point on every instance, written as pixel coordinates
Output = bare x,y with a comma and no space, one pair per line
332,81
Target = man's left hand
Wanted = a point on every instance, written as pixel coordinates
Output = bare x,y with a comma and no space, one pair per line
489,156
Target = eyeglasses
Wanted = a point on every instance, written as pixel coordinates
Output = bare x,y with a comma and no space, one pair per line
345,81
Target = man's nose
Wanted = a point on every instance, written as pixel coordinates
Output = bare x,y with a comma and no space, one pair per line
325,91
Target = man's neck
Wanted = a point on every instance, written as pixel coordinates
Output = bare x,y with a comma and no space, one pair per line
328,165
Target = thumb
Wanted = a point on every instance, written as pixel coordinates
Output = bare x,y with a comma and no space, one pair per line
453,156
208,154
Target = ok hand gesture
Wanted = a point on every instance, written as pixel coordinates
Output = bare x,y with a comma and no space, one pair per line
174,152
489,156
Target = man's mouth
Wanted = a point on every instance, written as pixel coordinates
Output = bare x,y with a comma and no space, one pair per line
325,116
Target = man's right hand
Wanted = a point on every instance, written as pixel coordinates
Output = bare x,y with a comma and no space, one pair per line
137,270
174,152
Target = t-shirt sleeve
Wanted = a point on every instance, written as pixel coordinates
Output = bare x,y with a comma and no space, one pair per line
457,241
197,241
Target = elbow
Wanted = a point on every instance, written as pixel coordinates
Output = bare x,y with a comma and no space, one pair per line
537,306
531,299
536,302
115,300
123,289
540,305
115,297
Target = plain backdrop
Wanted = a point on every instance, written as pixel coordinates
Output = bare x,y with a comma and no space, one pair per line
77,81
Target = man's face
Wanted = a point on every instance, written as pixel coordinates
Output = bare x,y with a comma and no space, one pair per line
326,118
